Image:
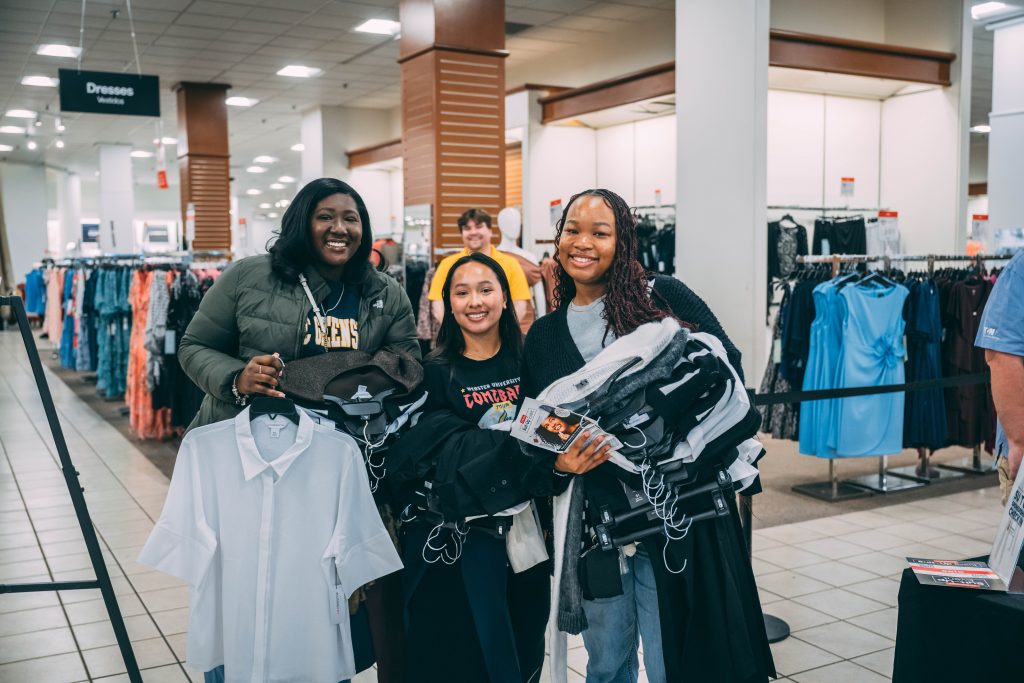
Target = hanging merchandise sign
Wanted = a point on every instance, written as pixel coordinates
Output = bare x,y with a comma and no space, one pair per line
846,186
190,224
161,165
91,232
555,210
979,225
100,92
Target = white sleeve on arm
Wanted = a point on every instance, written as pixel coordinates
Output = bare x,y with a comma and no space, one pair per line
362,548
182,544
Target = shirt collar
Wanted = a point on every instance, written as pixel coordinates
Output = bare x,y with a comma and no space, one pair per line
253,463
465,251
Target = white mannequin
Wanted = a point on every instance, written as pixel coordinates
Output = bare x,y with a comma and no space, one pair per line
510,223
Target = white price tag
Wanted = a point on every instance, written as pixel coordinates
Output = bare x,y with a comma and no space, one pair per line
170,343
339,606
846,186
777,351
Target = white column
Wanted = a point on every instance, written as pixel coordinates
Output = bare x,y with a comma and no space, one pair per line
23,192
1006,141
721,222
117,200
69,212
327,133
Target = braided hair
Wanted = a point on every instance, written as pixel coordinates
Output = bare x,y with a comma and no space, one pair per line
629,301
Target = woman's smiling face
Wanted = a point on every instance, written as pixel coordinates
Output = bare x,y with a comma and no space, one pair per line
337,232
586,247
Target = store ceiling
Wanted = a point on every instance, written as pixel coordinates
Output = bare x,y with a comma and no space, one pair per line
244,43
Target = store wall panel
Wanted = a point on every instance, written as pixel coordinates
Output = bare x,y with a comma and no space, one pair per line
920,169
616,156
863,20
852,128
562,161
655,160
24,196
375,188
796,148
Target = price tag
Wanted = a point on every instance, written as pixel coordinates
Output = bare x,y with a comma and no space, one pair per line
170,343
846,186
979,225
777,351
555,210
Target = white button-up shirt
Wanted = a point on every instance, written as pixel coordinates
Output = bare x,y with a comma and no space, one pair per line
268,522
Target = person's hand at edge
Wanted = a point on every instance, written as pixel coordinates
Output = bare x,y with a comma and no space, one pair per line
583,455
261,375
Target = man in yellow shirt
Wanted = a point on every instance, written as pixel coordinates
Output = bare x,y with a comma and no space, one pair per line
475,227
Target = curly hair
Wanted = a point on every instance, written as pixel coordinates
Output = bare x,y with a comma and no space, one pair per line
629,301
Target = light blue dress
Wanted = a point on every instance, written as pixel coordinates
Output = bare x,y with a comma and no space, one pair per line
822,364
872,354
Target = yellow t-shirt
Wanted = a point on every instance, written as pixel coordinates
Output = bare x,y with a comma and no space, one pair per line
518,287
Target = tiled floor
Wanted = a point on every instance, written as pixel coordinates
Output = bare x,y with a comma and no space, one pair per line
834,580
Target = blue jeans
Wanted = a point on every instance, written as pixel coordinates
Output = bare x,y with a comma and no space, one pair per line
616,626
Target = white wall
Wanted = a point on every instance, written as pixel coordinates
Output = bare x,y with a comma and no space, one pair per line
1006,141
862,20
635,160
23,190
377,188
920,170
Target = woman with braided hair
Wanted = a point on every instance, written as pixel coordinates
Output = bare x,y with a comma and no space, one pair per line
602,294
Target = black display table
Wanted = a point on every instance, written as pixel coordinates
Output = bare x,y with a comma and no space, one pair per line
958,634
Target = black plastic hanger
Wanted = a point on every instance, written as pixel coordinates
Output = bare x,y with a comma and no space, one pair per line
273,406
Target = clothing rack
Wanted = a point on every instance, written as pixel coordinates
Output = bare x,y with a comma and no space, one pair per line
906,477
823,209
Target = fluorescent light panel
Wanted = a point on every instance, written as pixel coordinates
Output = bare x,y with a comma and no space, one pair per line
264,159
298,147
238,101
986,9
6,148
982,128
55,50
40,81
383,27
276,186
253,192
286,179
141,154
13,130
256,169
21,114
166,141
299,71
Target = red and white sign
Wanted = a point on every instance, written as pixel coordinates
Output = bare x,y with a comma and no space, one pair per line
846,186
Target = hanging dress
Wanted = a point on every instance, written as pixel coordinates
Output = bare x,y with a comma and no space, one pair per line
872,355
825,347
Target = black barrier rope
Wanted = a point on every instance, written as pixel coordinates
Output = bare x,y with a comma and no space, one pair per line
821,394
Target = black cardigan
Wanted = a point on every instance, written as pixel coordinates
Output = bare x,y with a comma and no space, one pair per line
711,620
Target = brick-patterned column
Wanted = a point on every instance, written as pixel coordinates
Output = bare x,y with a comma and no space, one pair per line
453,109
203,159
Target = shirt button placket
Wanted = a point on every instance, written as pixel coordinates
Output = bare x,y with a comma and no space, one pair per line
262,630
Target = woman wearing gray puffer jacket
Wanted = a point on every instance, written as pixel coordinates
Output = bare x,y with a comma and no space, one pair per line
260,313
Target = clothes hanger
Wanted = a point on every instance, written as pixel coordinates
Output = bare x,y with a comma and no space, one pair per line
273,406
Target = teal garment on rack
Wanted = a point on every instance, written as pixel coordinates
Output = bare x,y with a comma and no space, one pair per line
113,330
821,370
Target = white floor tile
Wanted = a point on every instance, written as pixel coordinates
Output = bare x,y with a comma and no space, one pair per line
845,639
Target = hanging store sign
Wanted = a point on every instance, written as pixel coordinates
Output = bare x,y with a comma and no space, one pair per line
555,211
846,186
91,232
100,92
979,225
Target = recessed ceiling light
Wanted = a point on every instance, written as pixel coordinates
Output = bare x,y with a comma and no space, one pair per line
21,114
55,50
284,203
383,27
41,81
256,169
253,192
298,147
276,186
981,129
272,215
166,141
987,8
265,205
141,154
14,130
32,144
59,143
299,71
238,101
286,179
6,148
264,159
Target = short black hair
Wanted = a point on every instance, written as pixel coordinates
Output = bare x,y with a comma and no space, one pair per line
293,249
477,216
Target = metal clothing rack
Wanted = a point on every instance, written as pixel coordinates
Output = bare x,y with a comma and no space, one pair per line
824,209
102,580
905,477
